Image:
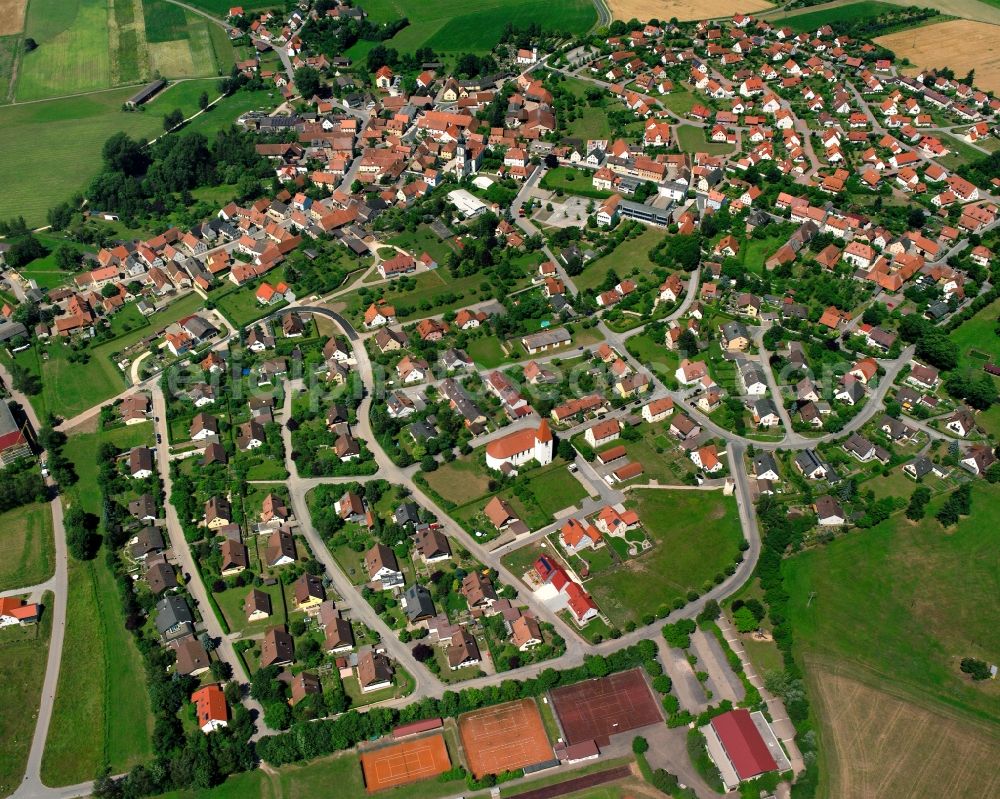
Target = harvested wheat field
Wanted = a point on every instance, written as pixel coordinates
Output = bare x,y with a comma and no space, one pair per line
683,9
879,745
960,44
12,16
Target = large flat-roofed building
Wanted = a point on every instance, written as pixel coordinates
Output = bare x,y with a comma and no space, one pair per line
14,442
743,746
468,204
644,213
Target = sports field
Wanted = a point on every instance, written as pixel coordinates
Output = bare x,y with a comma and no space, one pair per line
401,764
928,45
597,709
504,738
454,25
683,9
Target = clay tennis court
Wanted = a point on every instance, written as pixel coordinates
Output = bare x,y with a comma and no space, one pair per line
404,763
504,738
597,709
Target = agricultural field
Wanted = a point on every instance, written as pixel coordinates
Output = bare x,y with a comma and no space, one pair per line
695,535
27,546
23,652
221,7
812,20
914,633
73,53
453,26
12,16
892,611
980,48
683,9
71,133
9,49
182,44
880,744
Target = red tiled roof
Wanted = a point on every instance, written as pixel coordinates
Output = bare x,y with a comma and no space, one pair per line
743,743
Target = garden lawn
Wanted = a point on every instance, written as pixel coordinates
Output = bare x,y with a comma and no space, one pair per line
460,481
695,535
486,352
632,254
556,489
692,140
23,653
903,603
240,305
420,241
27,548
231,604
573,181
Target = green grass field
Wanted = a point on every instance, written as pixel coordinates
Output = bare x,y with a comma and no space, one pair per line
22,663
692,140
817,19
903,603
27,546
101,685
695,536
221,7
9,47
630,255
573,181
73,53
453,26
71,133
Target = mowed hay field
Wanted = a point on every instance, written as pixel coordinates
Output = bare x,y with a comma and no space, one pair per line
72,55
960,44
879,745
455,25
683,9
12,16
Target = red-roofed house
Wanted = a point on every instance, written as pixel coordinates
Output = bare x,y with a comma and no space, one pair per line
212,710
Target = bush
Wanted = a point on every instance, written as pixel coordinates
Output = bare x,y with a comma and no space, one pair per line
640,745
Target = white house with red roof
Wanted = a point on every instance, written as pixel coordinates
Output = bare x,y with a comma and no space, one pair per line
516,449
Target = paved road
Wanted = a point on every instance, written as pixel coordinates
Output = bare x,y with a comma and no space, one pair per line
31,785
182,554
